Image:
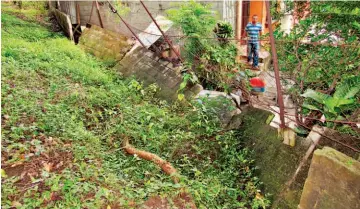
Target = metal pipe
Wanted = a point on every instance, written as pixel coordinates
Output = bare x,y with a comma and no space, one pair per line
134,34
276,67
170,44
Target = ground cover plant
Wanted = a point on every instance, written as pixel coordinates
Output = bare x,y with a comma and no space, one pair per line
64,118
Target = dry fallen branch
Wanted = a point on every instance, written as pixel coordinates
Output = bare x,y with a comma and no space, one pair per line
163,164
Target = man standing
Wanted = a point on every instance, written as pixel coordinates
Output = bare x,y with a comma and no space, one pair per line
253,30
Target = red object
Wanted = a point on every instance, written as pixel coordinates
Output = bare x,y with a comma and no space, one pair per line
257,82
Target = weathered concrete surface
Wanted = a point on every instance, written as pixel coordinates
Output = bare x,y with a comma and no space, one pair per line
276,161
105,44
64,21
333,182
145,66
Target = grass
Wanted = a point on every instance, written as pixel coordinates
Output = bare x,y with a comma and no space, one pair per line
64,114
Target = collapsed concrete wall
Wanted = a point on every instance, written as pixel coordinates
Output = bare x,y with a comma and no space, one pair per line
147,67
333,182
105,44
64,22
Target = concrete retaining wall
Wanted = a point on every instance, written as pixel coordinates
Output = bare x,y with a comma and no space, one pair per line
333,182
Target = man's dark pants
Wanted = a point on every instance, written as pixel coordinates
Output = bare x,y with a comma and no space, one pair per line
253,53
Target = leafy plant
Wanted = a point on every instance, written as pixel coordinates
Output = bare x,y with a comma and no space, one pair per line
57,99
326,63
212,61
224,31
334,106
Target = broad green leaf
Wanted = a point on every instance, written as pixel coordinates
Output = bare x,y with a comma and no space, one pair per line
181,97
182,85
3,173
317,96
349,88
332,103
310,106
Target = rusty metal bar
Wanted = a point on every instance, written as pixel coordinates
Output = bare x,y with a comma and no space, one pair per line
92,9
162,32
134,34
276,67
98,11
77,13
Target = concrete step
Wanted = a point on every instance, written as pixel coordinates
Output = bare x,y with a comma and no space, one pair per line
264,56
244,57
250,67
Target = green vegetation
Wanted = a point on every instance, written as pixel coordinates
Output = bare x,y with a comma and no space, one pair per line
64,117
334,107
32,10
328,67
212,61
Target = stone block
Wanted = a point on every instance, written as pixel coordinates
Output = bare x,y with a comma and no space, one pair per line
333,181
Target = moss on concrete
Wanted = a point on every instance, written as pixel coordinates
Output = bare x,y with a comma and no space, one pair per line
105,44
277,162
339,158
333,181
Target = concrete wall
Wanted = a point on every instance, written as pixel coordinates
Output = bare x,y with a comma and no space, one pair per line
138,17
333,182
106,45
69,8
64,21
148,68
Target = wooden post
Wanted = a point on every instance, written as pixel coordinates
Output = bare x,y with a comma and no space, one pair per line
77,13
77,19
